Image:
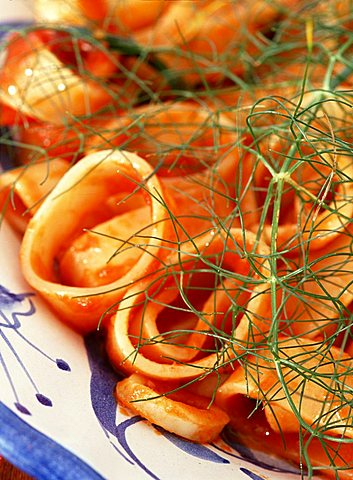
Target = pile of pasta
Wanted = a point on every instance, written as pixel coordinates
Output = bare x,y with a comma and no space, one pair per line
182,179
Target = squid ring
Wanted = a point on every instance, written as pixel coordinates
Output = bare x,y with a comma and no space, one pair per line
77,198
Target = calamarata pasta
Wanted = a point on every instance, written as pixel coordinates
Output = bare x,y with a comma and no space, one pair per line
182,178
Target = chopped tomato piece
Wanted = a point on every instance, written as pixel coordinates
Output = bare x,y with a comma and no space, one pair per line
95,10
55,141
9,116
78,54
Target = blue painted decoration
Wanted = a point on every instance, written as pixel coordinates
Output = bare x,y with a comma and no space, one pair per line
251,474
197,450
37,454
102,385
13,308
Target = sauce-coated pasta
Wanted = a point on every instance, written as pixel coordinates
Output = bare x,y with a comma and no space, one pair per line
183,179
